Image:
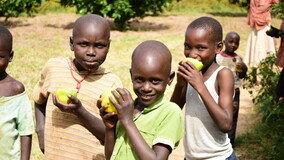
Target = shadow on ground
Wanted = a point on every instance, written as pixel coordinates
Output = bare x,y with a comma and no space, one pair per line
228,14
13,24
134,25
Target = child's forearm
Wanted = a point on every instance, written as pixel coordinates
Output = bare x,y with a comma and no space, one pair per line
40,123
219,114
92,123
26,143
178,95
109,142
142,149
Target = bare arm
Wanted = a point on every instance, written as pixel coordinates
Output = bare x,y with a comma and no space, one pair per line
40,123
91,122
110,120
221,112
26,143
179,93
109,142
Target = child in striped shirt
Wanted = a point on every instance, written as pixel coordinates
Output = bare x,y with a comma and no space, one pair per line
71,131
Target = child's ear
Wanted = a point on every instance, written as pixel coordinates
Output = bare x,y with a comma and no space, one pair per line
171,78
219,47
71,43
130,73
11,54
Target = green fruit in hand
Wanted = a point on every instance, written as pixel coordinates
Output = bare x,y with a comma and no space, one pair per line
62,94
106,101
197,64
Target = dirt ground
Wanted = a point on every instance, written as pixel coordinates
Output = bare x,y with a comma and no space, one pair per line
245,120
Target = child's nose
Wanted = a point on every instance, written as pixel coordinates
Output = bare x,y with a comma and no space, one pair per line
146,87
192,53
91,51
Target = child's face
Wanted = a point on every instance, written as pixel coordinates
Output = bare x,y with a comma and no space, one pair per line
231,43
5,55
149,80
199,44
90,46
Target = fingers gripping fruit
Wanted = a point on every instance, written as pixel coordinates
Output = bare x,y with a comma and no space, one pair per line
197,64
106,101
62,94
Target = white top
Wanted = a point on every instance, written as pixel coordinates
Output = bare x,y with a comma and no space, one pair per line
203,139
230,62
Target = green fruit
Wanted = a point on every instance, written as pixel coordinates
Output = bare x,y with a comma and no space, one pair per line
197,64
62,94
106,102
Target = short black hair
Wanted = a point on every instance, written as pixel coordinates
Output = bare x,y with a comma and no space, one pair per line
6,35
90,19
232,33
209,24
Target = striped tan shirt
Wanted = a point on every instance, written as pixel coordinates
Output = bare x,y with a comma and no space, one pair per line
65,136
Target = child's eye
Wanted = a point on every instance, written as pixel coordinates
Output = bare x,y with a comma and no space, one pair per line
186,47
155,81
101,45
83,44
201,48
138,80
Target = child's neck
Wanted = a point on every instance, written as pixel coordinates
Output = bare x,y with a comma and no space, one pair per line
3,76
229,53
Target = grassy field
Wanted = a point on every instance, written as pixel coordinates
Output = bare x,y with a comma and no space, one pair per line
46,36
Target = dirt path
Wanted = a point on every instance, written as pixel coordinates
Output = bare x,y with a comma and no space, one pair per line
246,118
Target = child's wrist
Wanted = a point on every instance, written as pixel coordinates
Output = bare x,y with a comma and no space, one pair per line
79,111
126,121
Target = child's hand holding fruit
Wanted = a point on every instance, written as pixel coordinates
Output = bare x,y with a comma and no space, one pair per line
189,72
114,105
66,100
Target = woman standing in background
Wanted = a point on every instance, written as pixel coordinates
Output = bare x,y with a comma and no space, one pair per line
259,43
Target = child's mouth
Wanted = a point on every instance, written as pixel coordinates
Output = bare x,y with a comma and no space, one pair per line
90,63
146,97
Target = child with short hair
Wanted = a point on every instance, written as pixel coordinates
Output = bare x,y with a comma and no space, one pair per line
71,131
150,127
208,94
235,63
16,120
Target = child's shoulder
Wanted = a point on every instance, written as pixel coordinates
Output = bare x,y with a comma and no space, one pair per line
16,87
224,74
53,63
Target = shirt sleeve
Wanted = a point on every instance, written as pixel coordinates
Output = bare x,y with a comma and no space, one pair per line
40,93
171,129
25,119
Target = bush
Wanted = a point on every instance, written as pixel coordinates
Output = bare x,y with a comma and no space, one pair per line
120,10
270,130
13,8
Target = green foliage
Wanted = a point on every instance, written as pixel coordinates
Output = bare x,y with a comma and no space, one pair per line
242,3
212,6
271,128
13,8
53,6
120,10
278,9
